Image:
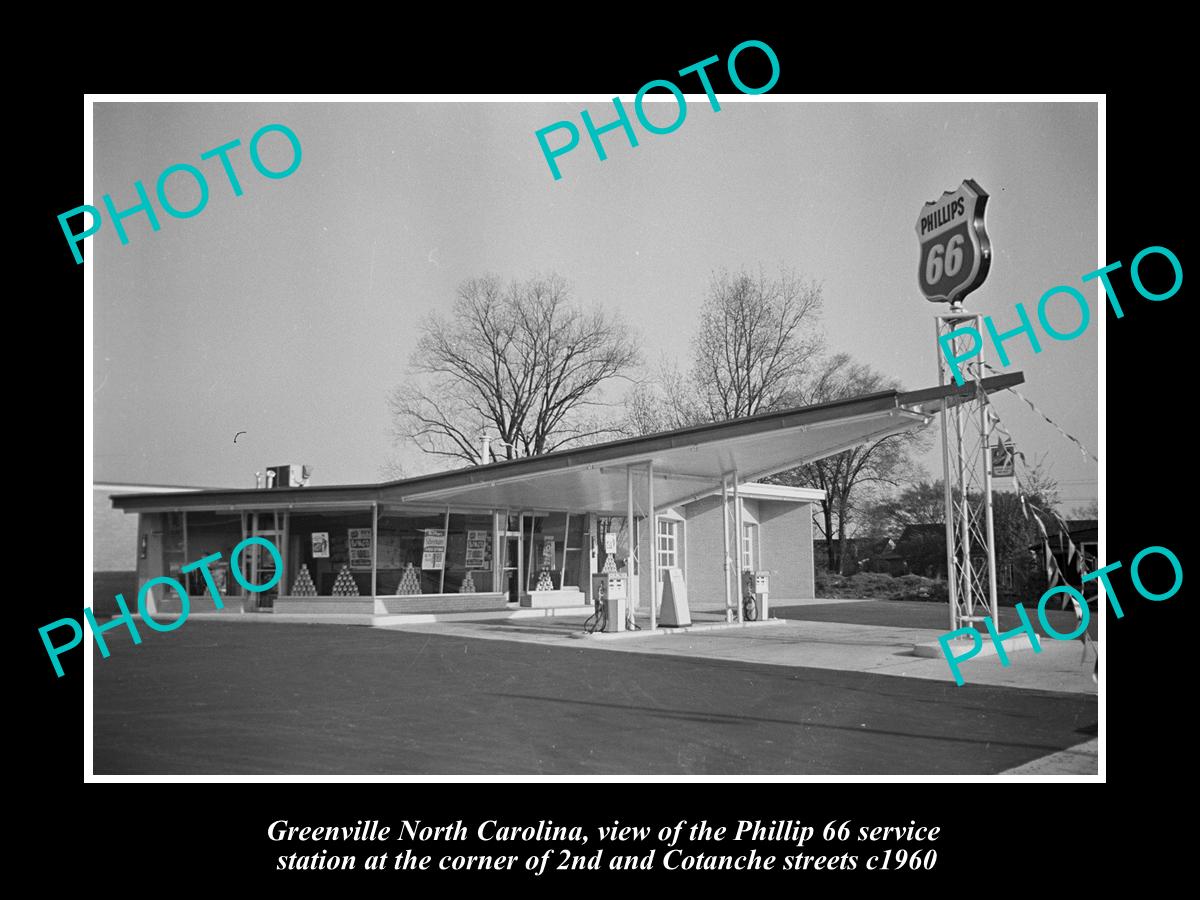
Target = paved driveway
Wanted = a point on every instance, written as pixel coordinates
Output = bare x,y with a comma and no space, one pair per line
227,698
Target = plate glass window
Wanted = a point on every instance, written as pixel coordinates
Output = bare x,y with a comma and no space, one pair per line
668,544
749,542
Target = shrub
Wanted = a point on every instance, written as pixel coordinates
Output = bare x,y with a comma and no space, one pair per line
878,586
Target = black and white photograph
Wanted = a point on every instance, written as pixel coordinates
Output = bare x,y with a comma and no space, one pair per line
682,434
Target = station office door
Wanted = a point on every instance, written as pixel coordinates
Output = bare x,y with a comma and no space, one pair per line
258,563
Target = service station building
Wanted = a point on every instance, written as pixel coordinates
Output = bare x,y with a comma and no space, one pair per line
674,512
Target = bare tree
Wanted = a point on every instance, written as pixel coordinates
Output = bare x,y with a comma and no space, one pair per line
1014,517
757,349
1089,510
391,469
1036,481
849,478
757,339
664,403
518,359
918,503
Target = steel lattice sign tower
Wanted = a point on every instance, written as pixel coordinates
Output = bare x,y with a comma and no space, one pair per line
954,260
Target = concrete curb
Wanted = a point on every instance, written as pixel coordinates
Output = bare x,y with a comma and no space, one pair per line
270,618
687,629
381,621
933,649
524,612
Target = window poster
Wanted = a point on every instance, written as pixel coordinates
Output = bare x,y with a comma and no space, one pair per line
433,552
320,545
360,547
478,556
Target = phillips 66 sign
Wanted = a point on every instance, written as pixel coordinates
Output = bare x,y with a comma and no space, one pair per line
955,252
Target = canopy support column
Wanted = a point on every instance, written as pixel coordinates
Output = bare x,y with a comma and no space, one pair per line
652,534
630,581
725,528
738,544
376,603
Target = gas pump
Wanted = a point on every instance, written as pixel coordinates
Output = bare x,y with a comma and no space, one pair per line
756,587
608,595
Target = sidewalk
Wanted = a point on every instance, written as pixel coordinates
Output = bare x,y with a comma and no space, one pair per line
1080,760
876,649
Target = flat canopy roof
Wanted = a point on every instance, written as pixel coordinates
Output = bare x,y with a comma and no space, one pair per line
688,463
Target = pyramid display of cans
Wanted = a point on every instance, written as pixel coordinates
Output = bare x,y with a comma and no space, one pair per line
468,585
304,586
345,586
410,581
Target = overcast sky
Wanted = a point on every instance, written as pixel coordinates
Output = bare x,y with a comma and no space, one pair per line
290,312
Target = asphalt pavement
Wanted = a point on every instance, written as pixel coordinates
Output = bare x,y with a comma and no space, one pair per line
224,698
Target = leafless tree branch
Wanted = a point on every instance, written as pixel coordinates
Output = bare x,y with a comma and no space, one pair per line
518,359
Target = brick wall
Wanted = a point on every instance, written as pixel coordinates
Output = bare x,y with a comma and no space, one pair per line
320,605
114,535
446,603
785,530
705,563
785,550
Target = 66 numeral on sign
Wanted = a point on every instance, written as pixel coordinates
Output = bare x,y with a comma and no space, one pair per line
934,266
913,860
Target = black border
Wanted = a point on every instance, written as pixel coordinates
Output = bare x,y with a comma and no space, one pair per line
216,834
